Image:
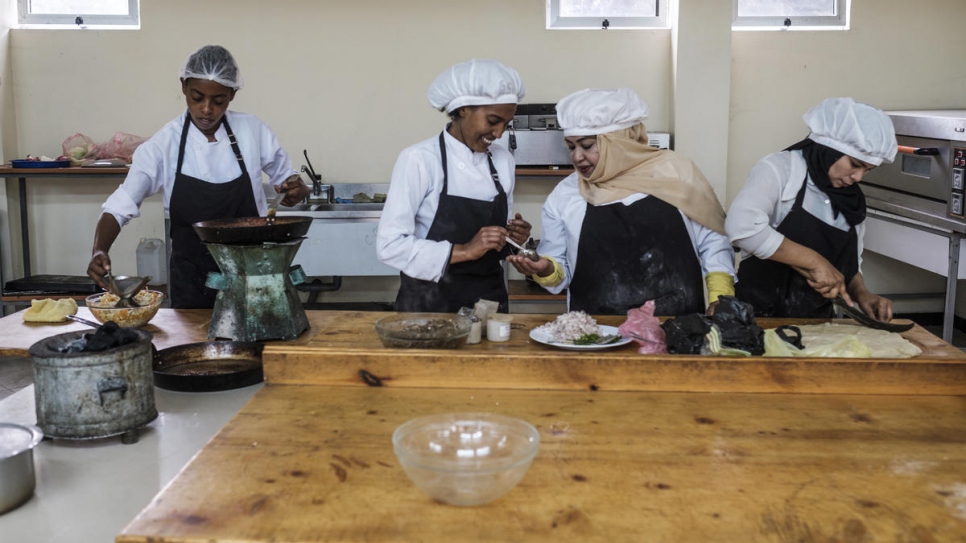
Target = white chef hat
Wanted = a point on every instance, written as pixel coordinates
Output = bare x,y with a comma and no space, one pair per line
476,82
597,111
854,128
214,63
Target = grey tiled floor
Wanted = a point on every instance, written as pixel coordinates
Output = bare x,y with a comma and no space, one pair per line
15,373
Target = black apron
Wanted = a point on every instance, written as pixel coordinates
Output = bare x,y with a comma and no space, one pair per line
194,200
463,284
628,255
775,289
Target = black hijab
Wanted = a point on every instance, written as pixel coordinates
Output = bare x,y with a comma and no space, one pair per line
849,201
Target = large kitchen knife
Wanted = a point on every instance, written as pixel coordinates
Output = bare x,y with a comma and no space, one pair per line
865,320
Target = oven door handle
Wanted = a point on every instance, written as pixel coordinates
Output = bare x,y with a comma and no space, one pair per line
919,150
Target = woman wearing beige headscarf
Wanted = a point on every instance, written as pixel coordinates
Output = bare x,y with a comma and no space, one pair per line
633,223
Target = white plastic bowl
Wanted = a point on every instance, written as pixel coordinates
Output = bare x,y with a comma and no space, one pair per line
466,458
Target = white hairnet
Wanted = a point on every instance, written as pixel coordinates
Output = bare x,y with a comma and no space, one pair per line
476,83
214,63
856,129
597,111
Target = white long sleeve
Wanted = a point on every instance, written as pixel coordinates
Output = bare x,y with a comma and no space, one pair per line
156,161
413,198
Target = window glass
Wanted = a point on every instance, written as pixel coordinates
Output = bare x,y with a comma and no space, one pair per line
79,14
607,14
91,7
784,8
608,8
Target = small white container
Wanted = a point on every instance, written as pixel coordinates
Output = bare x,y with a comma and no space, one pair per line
476,331
498,327
152,261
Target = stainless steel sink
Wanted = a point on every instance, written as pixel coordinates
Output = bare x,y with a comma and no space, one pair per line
321,210
346,207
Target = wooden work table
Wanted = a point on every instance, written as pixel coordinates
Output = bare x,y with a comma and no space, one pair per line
627,452
619,461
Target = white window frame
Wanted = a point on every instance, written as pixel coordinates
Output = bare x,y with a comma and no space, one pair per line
556,22
839,21
70,20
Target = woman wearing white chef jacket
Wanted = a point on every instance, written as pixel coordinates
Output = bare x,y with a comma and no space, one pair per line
446,217
633,223
208,162
799,218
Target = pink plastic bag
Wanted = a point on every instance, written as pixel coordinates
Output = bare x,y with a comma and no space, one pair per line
78,147
645,328
120,146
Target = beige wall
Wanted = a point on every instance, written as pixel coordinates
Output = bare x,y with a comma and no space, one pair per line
897,55
347,82
8,129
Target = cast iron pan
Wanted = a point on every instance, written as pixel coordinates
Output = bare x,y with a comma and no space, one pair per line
208,366
252,229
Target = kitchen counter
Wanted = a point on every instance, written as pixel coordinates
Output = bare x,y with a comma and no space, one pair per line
626,450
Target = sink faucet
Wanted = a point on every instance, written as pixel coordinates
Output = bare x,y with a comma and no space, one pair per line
319,188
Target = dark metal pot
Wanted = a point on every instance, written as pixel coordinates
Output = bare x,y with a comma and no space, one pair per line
252,229
17,479
209,366
88,395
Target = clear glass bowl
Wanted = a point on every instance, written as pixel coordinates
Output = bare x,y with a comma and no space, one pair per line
423,330
466,458
102,307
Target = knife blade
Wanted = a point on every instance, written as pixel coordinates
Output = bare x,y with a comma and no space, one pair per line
865,320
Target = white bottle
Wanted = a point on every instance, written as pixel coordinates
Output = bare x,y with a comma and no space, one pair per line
152,261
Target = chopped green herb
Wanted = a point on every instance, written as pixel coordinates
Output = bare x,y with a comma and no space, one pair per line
587,339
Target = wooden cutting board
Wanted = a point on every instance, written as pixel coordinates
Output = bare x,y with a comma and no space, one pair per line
312,464
342,348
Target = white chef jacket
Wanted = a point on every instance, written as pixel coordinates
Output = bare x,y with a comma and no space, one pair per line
563,217
767,198
413,197
156,161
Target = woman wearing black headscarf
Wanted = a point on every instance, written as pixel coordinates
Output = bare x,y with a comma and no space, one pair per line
799,219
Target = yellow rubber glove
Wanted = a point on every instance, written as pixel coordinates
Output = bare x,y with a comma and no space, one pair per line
554,278
719,284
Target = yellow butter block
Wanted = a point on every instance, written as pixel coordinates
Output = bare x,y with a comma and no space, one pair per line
50,310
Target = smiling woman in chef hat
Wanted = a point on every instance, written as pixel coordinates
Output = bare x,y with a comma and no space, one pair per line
208,162
633,223
810,191
447,213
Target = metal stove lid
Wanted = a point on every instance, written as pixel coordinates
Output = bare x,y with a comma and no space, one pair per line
942,124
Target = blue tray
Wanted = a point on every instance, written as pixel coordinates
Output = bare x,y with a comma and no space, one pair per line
39,164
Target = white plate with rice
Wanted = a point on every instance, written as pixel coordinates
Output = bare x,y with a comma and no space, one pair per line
541,335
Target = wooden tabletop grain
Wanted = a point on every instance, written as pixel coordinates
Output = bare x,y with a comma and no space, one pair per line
315,464
342,348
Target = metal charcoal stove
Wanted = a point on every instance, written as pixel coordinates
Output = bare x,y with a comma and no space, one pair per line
257,298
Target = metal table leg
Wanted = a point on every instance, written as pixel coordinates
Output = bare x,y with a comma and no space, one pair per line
949,310
24,233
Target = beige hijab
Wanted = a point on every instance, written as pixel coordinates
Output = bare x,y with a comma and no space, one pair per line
628,165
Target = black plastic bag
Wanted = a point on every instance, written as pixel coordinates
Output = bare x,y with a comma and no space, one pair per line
736,322
685,334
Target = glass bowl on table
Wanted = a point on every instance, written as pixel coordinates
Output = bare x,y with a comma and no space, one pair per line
423,330
466,458
103,307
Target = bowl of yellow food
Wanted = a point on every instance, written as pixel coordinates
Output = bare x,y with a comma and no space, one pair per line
104,308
